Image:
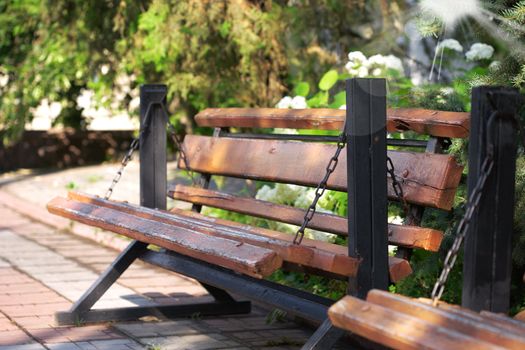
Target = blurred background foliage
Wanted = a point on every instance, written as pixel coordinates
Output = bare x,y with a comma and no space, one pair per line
258,53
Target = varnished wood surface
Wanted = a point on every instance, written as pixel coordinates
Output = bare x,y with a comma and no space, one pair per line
320,255
427,179
401,235
423,121
244,258
459,319
406,329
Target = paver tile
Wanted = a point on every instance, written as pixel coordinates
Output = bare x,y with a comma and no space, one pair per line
14,337
32,346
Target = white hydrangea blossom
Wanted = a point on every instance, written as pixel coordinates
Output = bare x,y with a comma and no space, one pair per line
451,44
479,51
393,62
495,65
298,102
356,57
360,66
285,102
297,196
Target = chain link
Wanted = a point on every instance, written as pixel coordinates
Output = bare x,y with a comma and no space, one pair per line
470,208
321,188
182,152
472,203
134,145
396,185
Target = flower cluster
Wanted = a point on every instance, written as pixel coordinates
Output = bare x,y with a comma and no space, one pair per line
297,102
479,51
360,66
451,44
296,196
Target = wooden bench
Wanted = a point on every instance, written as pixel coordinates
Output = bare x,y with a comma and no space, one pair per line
227,256
403,323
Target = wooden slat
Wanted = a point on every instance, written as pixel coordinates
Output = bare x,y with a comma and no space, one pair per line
460,320
423,121
401,235
320,255
399,330
428,179
244,258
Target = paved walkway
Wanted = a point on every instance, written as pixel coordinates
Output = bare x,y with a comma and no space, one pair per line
44,268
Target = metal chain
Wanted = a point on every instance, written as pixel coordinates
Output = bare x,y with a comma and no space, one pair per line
472,204
321,188
134,145
396,185
470,208
178,143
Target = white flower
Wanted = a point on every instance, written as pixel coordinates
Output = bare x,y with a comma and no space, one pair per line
298,102
395,220
447,91
378,60
343,107
451,44
495,65
285,102
305,199
84,100
356,57
393,62
377,72
104,69
134,104
362,72
4,79
479,51
265,193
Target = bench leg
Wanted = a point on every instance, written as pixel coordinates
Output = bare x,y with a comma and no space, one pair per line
81,312
324,338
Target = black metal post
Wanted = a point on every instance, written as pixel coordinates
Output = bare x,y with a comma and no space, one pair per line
367,183
153,166
488,247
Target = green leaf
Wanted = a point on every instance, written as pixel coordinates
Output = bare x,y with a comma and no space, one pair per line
320,99
328,80
339,100
302,89
225,28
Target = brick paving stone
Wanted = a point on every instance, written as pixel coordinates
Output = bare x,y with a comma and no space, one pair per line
14,337
32,346
54,268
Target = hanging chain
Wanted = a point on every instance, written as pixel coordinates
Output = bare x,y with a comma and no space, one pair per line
396,185
472,204
178,143
134,145
321,188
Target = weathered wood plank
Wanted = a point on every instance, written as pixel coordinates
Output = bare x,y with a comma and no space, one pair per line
401,235
423,121
428,179
399,330
321,255
244,258
460,320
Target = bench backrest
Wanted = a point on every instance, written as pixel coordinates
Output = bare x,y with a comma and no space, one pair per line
429,179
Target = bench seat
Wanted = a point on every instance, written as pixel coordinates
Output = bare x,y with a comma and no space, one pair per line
400,322
248,259
313,254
